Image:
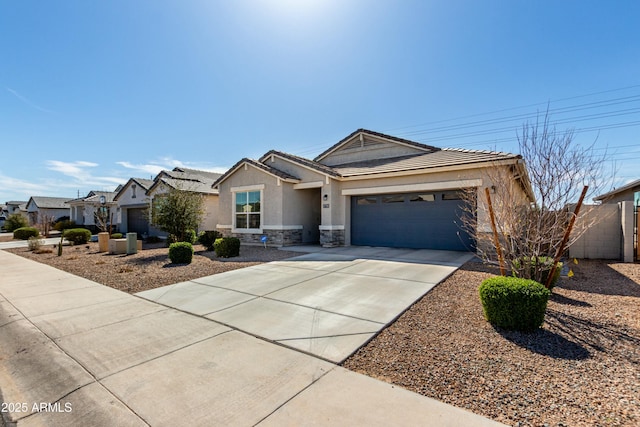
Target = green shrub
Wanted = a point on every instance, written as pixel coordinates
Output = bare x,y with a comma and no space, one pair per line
208,238
23,233
181,253
190,236
227,247
35,243
116,235
537,269
64,224
513,303
14,222
77,236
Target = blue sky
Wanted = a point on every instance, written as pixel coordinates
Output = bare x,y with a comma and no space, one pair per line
92,93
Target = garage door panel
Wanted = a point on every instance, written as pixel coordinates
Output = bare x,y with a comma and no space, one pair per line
432,223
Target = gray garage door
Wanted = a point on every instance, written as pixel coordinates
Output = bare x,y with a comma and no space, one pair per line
137,221
429,220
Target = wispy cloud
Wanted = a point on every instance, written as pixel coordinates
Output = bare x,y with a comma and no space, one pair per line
149,168
19,186
76,169
81,173
27,101
155,166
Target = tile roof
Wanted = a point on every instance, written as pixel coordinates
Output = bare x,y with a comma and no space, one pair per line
94,197
301,160
198,181
440,158
259,165
145,184
50,202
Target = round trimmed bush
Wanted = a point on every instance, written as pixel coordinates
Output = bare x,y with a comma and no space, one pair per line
513,303
227,247
208,238
181,253
77,236
116,235
23,233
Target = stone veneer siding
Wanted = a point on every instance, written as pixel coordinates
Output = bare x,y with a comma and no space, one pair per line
274,237
330,238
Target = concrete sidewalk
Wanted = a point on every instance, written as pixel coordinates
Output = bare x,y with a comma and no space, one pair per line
76,353
24,243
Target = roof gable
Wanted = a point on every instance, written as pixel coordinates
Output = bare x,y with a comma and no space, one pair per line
300,161
257,165
145,184
364,145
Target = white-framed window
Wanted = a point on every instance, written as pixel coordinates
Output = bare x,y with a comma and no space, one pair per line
247,211
133,191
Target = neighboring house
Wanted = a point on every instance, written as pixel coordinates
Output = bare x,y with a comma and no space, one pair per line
85,210
53,208
368,189
133,204
628,192
19,207
193,180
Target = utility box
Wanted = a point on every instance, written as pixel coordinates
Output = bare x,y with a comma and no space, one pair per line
103,242
132,243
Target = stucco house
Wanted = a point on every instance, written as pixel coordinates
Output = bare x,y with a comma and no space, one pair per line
16,207
137,195
53,208
193,180
628,192
84,210
368,189
132,206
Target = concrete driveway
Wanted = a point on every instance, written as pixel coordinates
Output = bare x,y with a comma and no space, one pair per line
76,353
327,303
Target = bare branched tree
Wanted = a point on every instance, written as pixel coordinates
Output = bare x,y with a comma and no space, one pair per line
44,223
103,218
530,231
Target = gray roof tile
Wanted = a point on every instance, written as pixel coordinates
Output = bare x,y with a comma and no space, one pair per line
441,158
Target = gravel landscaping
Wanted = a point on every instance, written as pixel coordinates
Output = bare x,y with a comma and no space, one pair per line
581,369
149,268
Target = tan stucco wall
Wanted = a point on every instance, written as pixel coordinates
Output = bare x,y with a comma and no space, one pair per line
271,202
600,231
